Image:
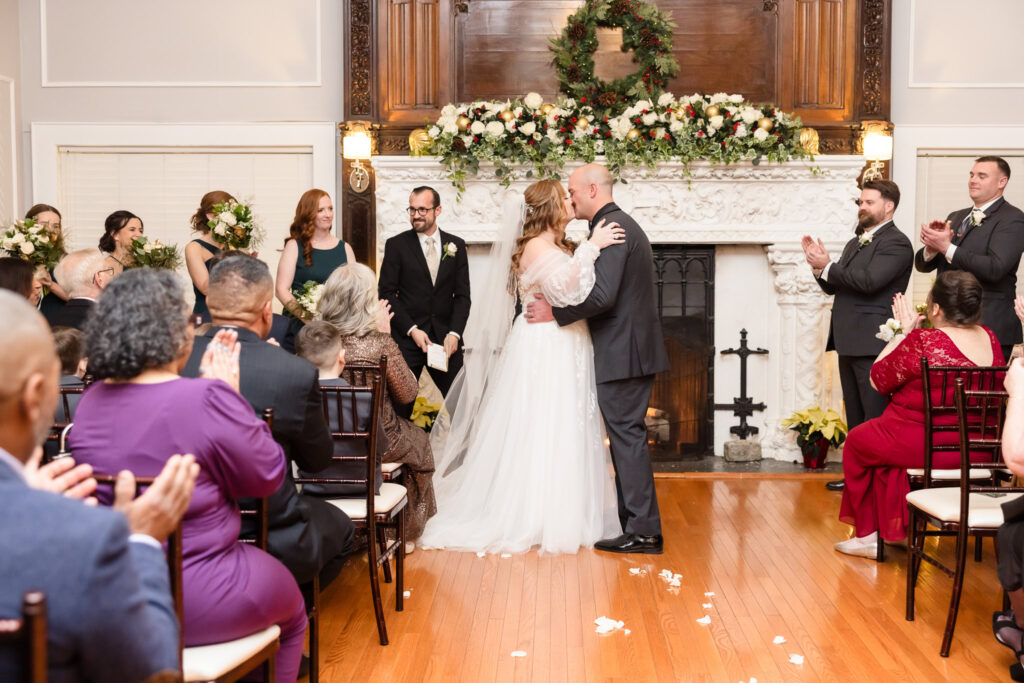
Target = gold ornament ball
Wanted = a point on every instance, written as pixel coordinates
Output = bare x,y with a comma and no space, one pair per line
546,109
633,134
463,123
679,113
583,122
507,116
713,110
765,123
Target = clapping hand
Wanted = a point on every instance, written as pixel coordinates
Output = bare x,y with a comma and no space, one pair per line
159,509
814,252
220,360
937,235
904,312
384,316
607,235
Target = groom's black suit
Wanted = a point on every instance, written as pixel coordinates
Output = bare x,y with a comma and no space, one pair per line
436,308
628,350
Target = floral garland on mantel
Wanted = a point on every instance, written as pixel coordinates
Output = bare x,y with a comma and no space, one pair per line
543,136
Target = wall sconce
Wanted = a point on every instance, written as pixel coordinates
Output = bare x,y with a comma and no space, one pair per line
357,146
876,145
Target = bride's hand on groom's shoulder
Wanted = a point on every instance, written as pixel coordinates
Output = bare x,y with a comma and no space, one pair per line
538,310
605,235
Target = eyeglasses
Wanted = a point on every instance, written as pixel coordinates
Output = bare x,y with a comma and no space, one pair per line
106,270
413,211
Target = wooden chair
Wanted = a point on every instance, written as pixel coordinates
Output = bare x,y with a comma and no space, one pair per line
371,514
67,402
971,509
28,636
361,375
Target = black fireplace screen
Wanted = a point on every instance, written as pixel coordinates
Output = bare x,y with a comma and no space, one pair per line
680,419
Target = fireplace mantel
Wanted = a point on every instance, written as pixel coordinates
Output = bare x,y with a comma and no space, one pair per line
757,215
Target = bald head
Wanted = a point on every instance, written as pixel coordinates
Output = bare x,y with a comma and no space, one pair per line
29,373
590,188
240,293
79,273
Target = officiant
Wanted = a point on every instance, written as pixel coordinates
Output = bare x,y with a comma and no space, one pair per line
425,277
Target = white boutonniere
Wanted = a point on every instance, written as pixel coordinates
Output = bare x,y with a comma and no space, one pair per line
977,216
865,239
448,250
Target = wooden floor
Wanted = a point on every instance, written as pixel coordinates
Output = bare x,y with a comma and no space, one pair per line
762,546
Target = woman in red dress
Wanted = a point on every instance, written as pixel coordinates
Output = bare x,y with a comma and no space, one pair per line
879,452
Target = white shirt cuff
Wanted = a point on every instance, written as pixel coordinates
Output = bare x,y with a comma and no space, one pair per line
950,250
145,539
455,334
824,271
409,331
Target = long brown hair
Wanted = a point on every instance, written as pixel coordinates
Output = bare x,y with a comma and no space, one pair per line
545,208
206,204
304,223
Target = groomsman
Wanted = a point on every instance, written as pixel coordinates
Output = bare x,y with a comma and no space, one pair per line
425,277
874,267
986,240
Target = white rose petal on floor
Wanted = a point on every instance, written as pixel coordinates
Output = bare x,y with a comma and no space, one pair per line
779,640
606,625
518,653
704,620
796,659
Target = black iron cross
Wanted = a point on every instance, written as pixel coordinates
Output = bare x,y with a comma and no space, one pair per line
743,406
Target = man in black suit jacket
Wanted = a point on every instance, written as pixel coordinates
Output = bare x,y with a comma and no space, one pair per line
874,267
83,275
308,535
110,615
628,351
430,302
986,240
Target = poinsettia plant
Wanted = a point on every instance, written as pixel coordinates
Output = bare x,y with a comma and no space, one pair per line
816,423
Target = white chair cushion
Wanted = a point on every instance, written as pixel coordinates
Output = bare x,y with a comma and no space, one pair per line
950,475
210,662
944,504
392,496
389,467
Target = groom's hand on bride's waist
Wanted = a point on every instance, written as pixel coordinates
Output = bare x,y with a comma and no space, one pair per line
538,310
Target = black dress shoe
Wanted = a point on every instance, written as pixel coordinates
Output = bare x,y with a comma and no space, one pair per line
836,485
632,543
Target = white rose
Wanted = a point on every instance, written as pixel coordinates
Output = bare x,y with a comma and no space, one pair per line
510,126
9,244
434,132
716,122
495,129
741,131
528,128
631,112
451,248
675,126
659,132
650,118
27,248
760,134
719,97
148,247
477,128
221,229
518,111
736,99
35,230
553,135
644,104
18,238
665,99
449,111
599,146
533,100
451,128
227,218
750,115
537,136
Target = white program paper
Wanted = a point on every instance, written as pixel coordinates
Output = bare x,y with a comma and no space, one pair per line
437,358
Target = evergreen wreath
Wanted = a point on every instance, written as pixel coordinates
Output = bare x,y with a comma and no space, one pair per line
645,30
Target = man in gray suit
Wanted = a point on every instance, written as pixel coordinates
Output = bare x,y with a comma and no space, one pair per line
110,616
874,267
628,351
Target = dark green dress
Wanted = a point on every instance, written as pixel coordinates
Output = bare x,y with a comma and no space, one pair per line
200,305
324,263
51,304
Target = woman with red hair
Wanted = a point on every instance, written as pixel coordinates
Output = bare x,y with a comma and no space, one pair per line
311,253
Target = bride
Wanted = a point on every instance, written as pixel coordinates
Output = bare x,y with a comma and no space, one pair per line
523,461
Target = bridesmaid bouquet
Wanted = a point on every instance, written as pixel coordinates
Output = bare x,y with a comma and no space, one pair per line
154,254
309,298
234,227
33,243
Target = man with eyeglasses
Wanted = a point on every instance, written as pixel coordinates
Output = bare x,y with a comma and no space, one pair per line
874,267
83,275
425,277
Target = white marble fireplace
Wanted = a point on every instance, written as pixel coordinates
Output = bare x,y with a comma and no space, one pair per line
755,215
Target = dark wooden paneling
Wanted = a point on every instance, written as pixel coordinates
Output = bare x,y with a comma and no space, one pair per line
414,57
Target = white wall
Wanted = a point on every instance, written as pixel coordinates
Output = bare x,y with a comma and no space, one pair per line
10,96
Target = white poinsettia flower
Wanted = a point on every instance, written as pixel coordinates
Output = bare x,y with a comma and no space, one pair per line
553,135
719,97
510,126
518,111
528,128
467,139
716,121
451,128
644,104
760,135
665,99
675,125
741,131
533,100
477,128
650,118
750,115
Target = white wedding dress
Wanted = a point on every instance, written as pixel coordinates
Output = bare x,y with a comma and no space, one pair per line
535,471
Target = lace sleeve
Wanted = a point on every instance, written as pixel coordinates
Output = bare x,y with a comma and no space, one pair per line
568,281
900,366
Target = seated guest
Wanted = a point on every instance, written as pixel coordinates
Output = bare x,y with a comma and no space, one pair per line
83,274
120,228
320,344
137,340
879,452
308,535
69,343
350,304
102,571
16,276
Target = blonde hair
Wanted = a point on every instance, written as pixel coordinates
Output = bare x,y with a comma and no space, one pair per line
349,301
545,208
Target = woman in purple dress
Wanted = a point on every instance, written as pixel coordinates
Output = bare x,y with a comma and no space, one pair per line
142,412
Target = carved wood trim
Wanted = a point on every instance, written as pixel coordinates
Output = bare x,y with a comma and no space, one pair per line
359,15
875,59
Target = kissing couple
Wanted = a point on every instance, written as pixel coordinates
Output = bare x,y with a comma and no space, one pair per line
521,457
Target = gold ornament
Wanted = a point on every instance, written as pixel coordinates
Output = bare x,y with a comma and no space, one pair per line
765,123
583,122
633,134
809,140
419,142
507,116
679,113
713,110
546,109
463,123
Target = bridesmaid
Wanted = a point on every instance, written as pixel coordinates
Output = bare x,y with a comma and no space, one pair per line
199,252
50,219
120,228
311,253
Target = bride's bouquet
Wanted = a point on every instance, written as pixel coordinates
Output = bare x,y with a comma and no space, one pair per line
309,298
234,227
148,253
33,243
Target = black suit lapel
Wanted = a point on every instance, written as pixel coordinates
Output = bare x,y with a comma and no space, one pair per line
447,262
958,239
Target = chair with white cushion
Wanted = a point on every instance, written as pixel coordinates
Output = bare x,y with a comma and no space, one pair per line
974,508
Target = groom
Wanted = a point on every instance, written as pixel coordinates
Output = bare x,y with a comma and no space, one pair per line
628,351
